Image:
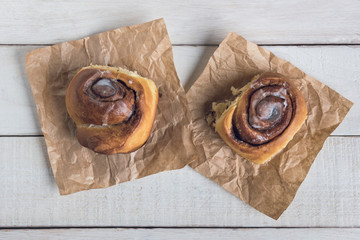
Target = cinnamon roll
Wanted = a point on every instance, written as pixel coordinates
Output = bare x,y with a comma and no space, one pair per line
262,119
113,109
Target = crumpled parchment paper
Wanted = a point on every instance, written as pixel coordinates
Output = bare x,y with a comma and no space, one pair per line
271,187
144,48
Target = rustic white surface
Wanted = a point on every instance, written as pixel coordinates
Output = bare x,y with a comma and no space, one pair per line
337,67
183,233
189,22
329,197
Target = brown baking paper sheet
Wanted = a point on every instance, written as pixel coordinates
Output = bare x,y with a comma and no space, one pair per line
144,48
271,187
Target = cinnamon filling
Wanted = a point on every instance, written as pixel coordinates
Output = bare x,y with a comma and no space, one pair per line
268,113
105,88
112,100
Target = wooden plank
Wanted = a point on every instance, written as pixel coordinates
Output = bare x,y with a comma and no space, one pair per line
334,66
29,197
184,233
18,111
189,22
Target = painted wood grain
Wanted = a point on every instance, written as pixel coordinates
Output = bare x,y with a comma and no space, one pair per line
334,66
185,233
329,196
188,22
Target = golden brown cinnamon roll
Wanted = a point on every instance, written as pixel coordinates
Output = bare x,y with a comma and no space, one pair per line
262,119
113,109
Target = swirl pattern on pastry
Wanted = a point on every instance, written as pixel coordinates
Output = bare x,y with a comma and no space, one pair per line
264,118
113,109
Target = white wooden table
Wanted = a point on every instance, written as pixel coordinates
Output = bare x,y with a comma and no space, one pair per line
320,37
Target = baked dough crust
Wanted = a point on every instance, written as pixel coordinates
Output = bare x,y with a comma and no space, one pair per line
108,125
260,153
